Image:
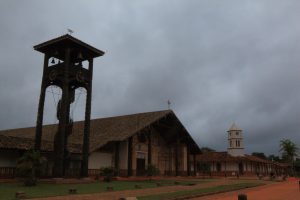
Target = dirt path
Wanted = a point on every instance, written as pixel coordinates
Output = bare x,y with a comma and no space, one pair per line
140,192
279,191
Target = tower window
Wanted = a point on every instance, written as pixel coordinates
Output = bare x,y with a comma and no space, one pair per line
230,143
237,133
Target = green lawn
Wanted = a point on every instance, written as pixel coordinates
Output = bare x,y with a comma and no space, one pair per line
8,190
202,191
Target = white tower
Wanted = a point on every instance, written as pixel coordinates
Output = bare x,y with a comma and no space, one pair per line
235,141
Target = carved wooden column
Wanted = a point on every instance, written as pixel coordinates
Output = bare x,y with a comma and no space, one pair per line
40,115
117,151
60,140
195,164
149,147
129,161
177,155
86,135
188,160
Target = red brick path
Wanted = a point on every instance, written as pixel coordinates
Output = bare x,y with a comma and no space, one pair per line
279,191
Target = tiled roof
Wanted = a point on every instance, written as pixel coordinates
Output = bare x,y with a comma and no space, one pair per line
103,130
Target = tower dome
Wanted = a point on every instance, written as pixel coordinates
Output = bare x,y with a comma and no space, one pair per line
235,141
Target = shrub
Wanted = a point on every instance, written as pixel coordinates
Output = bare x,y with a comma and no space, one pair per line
30,166
107,172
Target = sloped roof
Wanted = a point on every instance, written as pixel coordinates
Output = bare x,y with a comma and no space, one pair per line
225,157
216,157
67,40
102,131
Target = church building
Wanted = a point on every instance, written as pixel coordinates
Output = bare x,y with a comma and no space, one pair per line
127,143
235,162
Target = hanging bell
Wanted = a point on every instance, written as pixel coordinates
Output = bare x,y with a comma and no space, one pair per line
52,61
80,57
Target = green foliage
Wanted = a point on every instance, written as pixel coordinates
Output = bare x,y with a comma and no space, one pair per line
152,170
107,172
30,166
288,149
274,158
289,152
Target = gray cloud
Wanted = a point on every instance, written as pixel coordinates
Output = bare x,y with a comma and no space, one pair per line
218,62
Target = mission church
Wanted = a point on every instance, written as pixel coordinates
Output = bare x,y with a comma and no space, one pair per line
235,162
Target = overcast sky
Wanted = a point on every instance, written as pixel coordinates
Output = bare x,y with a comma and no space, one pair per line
217,61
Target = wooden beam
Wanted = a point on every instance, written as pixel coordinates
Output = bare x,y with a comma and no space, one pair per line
129,160
188,160
177,155
149,147
195,164
40,115
86,135
117,151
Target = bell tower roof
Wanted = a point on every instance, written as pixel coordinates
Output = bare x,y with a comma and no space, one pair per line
55,48
234,127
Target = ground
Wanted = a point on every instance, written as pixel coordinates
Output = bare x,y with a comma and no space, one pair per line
271,191
278,191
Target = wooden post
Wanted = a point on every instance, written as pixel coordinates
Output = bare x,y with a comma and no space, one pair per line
40,115
86,135
58,168
195,164
188,160
117,151
129,161
176,156
149,147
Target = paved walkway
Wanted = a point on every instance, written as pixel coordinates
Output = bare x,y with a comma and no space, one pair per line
279,191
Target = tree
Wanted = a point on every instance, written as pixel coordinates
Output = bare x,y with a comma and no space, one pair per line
289,151
274,158
30,166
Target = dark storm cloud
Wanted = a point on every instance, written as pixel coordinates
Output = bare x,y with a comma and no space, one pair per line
218,62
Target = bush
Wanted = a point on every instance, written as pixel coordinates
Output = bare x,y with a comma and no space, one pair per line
30,166
107,172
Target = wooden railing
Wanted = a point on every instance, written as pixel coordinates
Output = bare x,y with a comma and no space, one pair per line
7,172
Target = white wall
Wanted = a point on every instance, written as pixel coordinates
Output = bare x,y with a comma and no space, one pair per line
100,159
123,155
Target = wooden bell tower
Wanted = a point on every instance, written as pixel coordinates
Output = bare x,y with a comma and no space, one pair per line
68,74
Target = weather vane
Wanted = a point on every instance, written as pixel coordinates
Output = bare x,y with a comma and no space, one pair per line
70,31
169,104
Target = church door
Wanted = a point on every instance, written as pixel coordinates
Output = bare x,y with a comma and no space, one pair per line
140,164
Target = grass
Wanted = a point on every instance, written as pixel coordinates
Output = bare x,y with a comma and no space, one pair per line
8,190
201,191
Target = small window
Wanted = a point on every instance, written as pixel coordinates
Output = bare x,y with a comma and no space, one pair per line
230,143
237,133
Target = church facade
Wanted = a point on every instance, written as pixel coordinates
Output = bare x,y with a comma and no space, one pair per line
234,162
127,143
